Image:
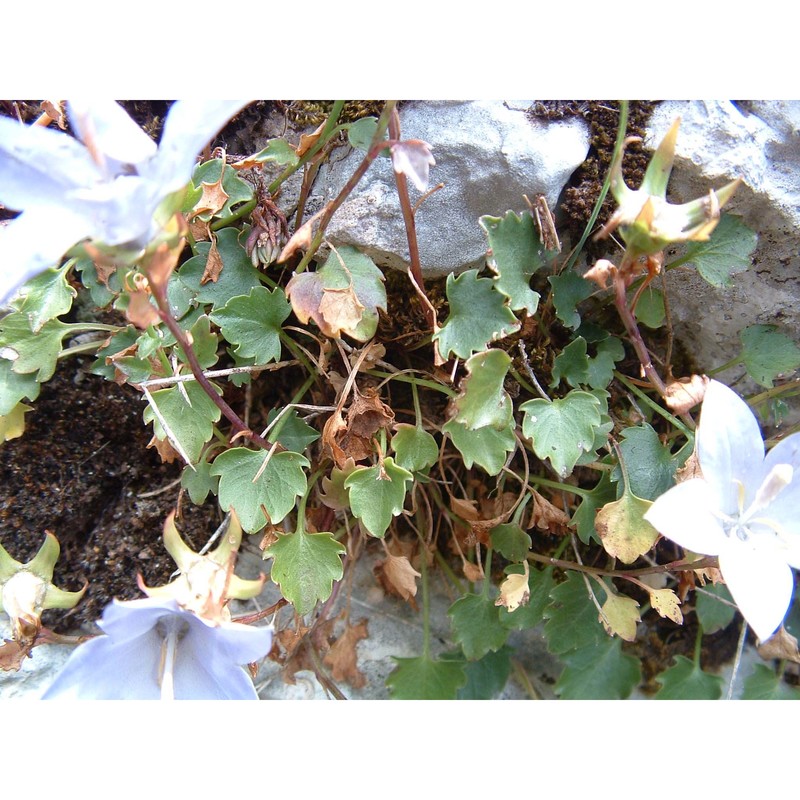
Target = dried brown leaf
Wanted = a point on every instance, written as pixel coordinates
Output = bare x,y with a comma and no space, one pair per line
781,645
300,240
200,230
548,517
343,658
339,310
165,450
213,263
213,198
685,393
12,654
308,140
140,311
398,576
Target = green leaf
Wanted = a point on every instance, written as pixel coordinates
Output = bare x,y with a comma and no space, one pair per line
598,671
572,622
101,294
238,190
423,678
415,449
569,289
713,614
572,364
510,541
34,352
274,490
377,494
583,518
14,387
342,296
601,367
199,482
305,566
624,533
478,315
684,680
253,323
650,309
277,151
515,255
651,467
541,584
204,343
562,429
764,684
483,401
476,625
191,423
768,353
45,297
487,676
237,278
361,133
727,252
295,434
486,447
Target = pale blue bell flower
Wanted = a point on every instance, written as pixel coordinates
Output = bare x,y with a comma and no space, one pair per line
153,649
744,509
104,186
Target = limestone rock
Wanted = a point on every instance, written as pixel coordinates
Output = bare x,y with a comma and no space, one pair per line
488,155
759,142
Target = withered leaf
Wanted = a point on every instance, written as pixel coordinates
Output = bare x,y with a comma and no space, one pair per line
342,657
300,240
213,264
213,198
200,230
781,645
666,603
548,517
164,449
339,309
12,654
514,590
140,311
472,572
685,393
398,576
308,140
368,414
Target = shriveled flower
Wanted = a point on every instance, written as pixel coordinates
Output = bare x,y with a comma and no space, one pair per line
646,221
153,649
413,159
27,589
110,187
743,509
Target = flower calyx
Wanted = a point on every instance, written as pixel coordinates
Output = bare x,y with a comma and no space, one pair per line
27,589
646,221
206,582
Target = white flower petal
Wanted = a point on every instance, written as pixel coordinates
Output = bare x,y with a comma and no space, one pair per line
35,241
685,514
126,663
189,127
729,446
106,129
761,585
39,165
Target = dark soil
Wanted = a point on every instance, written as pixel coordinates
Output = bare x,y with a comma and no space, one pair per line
80,471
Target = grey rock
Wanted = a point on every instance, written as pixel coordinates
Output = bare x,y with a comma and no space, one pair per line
488,155
717,142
